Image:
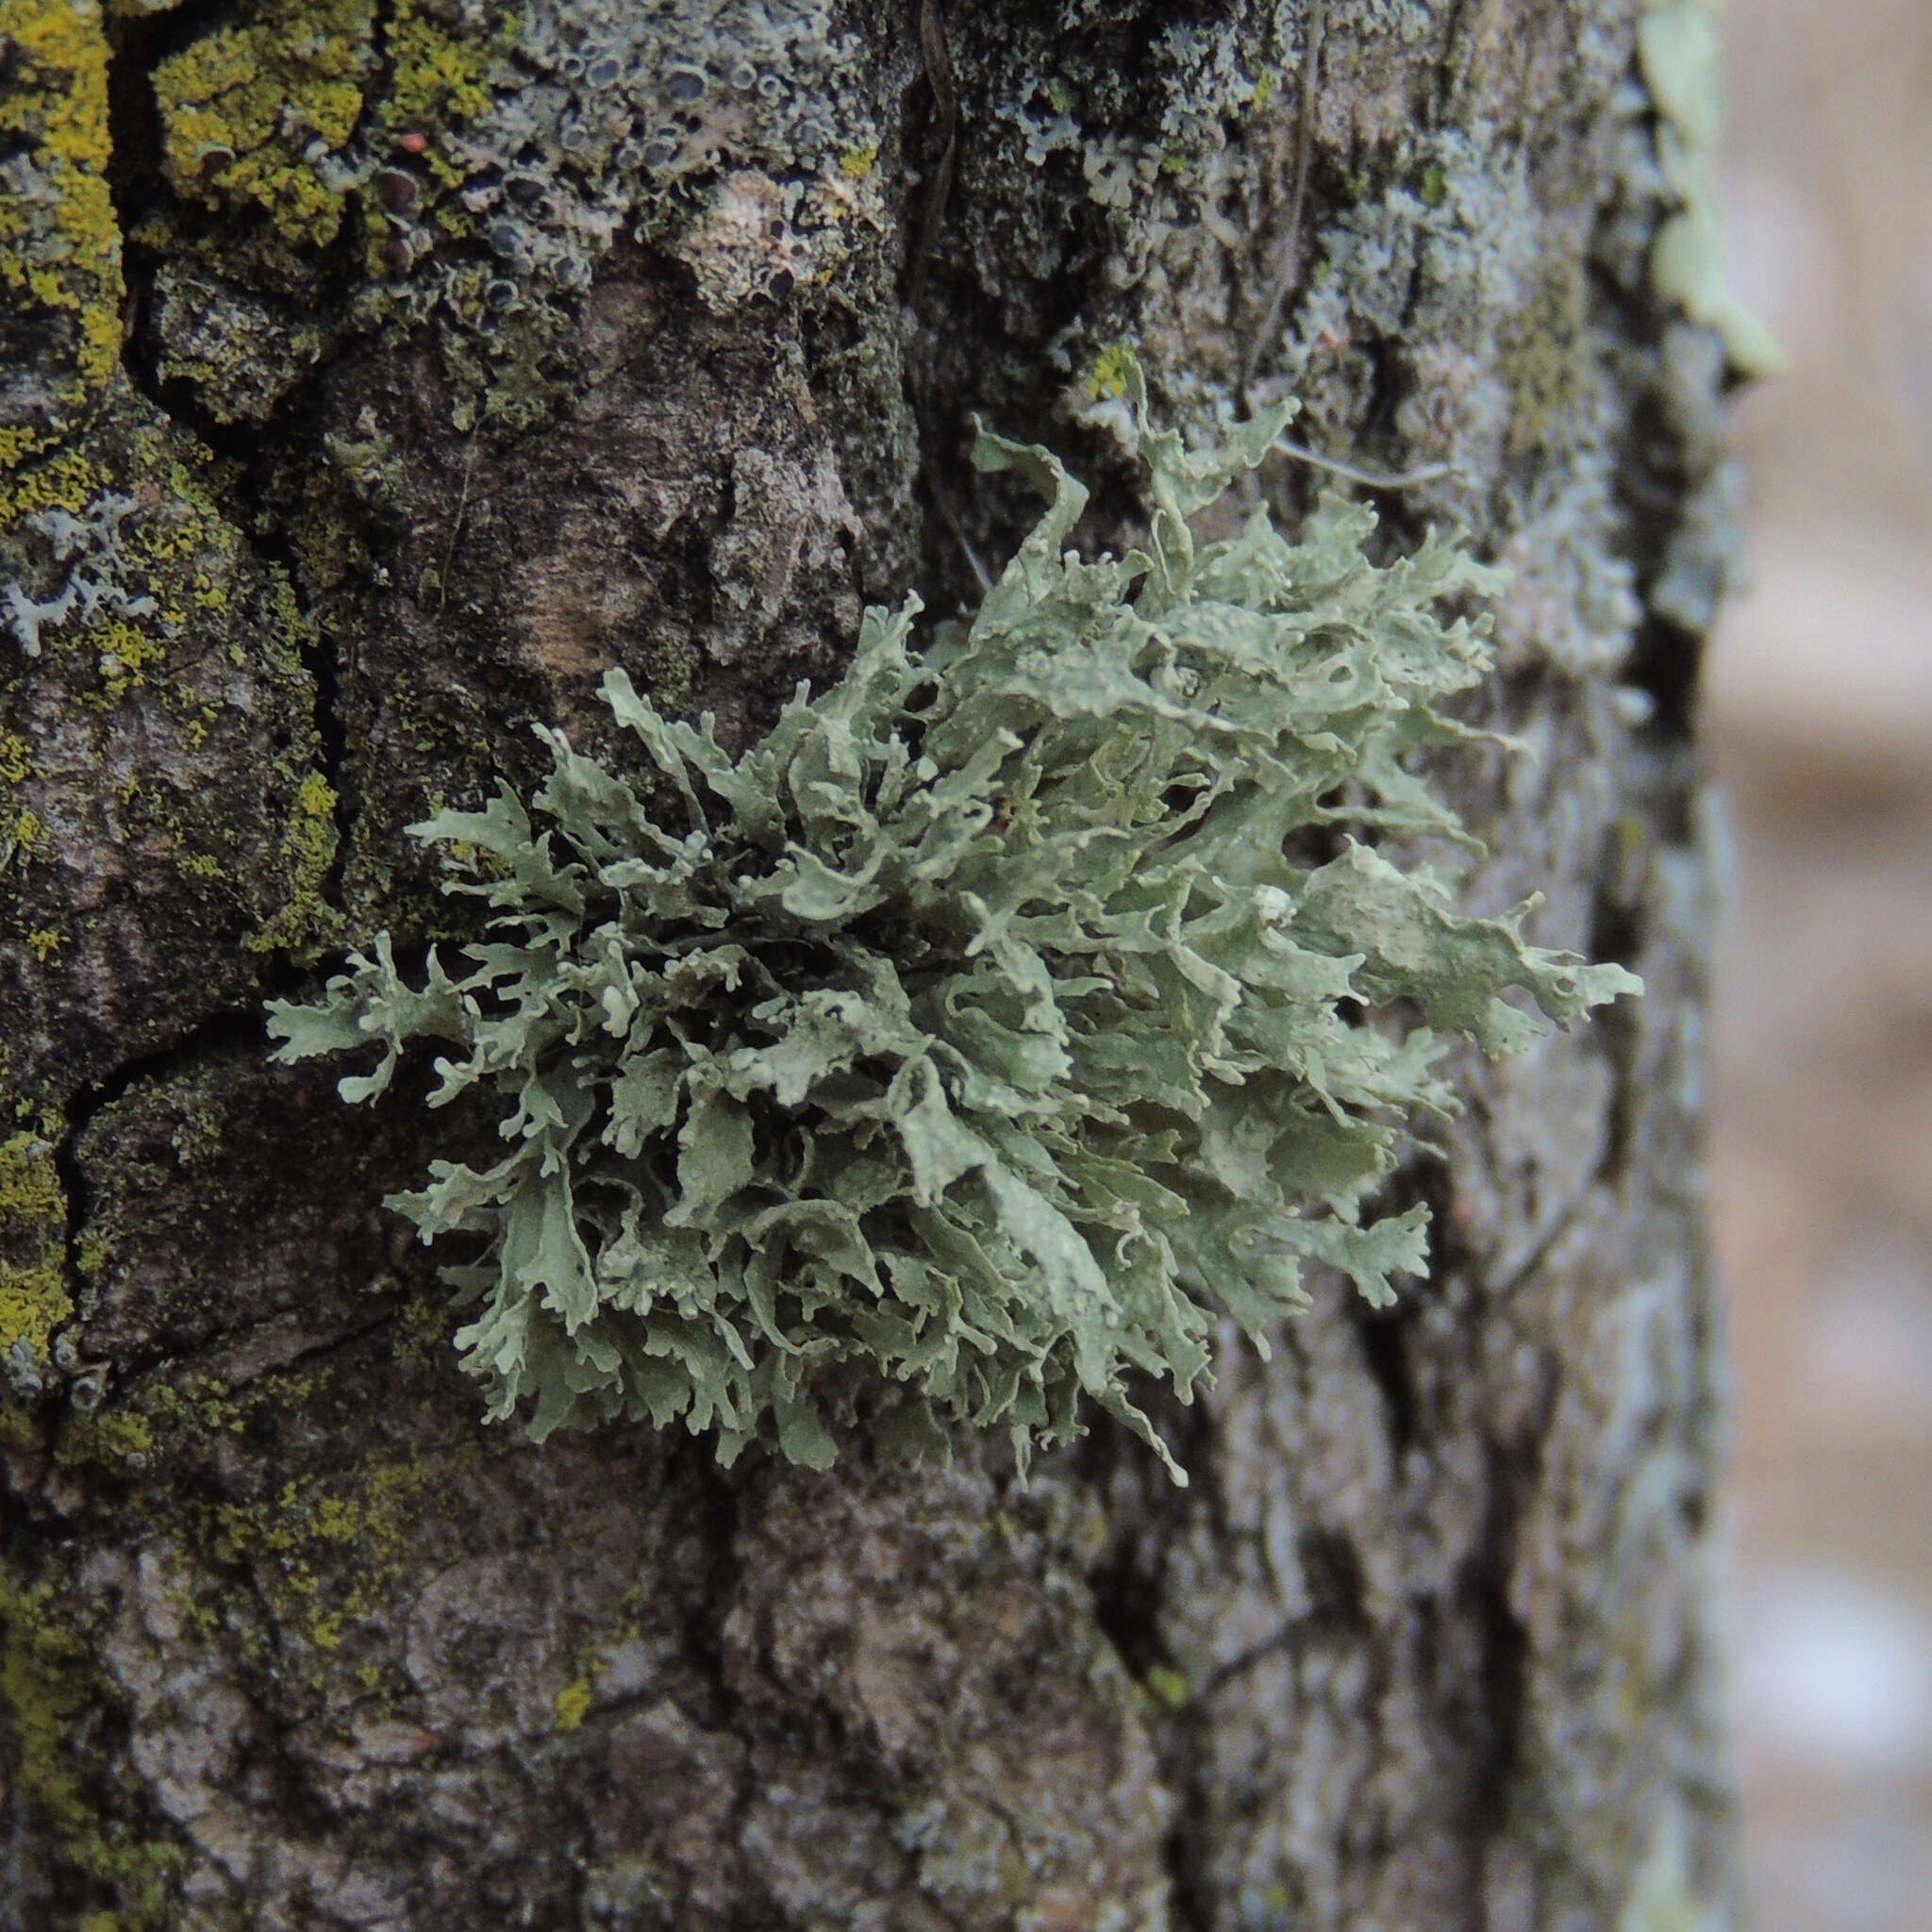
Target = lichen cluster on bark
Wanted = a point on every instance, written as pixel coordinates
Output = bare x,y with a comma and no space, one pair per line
378,374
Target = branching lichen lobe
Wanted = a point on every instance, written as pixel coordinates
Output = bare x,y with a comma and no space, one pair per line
976,1035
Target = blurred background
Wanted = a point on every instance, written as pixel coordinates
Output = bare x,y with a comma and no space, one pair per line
1819,723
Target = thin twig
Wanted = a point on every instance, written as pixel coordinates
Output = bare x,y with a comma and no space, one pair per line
456,528
1369,479
917,373
945,104
951,518
1304,149
945,108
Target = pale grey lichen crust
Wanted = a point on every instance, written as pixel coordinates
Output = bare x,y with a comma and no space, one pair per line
89,547
973,1038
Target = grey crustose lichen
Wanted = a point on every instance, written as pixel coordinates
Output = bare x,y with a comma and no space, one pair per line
969,1040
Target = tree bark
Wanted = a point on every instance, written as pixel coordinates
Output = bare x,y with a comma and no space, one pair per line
446,358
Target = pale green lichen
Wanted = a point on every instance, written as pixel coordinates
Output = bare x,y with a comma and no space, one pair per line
993,1022
1663,1897
1681,44
89,546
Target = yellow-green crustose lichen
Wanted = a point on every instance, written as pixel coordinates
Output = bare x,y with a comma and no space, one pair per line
281,111
99,583
968,1043
259,112
325,1550
304,920
60,244
33,1234
21,827
473,166
52,1697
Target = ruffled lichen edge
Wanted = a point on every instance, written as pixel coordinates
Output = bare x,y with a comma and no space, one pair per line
1007,1012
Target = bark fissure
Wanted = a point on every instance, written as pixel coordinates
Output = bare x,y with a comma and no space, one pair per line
1502,1682
218,1030
1385,1355
253,449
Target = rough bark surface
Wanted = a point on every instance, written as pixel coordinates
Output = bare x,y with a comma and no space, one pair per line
447,354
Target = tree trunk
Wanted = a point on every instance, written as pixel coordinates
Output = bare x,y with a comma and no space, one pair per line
376,375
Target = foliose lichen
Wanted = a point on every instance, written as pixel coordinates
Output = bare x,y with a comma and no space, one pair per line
89,547
1680,46
966,1044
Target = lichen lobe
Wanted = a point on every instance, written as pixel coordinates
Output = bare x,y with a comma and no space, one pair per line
955,1050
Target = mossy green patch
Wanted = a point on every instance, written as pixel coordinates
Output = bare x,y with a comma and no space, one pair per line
1548,360
118,1439
33,1237
52,1700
